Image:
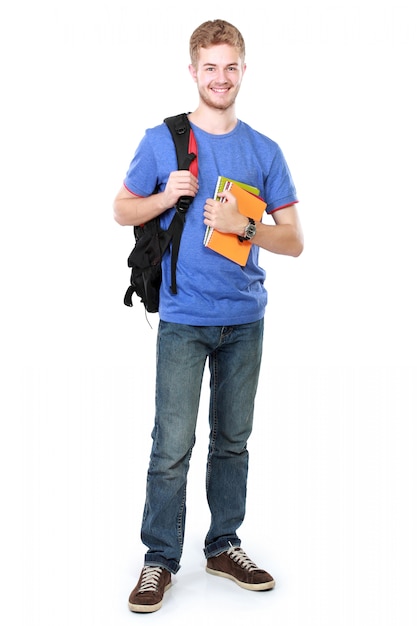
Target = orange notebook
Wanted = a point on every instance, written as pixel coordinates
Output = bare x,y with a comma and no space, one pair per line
227,244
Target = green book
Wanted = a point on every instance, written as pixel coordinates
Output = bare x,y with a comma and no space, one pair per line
223,180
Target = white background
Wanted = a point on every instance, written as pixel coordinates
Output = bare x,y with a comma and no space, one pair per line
331,502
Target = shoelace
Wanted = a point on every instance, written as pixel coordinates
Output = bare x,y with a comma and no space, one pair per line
150,578
241,558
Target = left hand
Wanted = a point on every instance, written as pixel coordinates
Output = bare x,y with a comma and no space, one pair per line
224,216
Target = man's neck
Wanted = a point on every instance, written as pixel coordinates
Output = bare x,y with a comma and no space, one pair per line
214,121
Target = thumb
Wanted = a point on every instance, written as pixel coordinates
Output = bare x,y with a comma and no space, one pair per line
225,196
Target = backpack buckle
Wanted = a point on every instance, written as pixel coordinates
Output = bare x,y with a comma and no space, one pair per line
183,204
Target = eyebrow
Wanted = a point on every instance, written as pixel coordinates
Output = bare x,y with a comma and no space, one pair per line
208,64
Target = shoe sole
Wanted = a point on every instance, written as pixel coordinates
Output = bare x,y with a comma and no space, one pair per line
148,608
270,584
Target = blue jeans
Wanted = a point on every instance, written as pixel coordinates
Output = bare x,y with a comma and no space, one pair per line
234,355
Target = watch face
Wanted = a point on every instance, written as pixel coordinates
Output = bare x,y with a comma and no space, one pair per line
250,231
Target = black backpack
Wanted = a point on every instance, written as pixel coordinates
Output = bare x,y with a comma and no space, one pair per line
151,240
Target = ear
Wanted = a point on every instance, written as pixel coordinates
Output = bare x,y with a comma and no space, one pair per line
193,72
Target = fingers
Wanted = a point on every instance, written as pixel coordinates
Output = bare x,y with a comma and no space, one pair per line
180,183
183,182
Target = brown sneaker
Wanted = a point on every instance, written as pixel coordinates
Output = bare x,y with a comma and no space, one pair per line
148,594
236,565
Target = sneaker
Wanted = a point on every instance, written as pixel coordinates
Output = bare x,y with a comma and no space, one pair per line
148,594
237,566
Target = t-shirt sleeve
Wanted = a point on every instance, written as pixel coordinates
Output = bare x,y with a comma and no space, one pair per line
141,177
280,190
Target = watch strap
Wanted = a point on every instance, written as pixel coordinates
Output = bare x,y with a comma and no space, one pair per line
245,237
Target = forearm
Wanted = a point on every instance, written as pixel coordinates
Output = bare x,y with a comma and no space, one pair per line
133,211
284,239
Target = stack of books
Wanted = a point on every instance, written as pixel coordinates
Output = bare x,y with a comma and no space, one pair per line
250,204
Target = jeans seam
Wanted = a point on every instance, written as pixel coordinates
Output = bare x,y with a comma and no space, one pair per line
180,519
213,409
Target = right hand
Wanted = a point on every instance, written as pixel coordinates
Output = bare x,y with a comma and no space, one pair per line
180,183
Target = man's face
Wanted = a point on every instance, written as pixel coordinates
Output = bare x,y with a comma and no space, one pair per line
218,75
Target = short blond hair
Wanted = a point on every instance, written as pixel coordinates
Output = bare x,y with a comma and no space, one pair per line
215,32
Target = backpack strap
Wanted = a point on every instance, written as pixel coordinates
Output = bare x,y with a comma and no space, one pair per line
179,126
181,132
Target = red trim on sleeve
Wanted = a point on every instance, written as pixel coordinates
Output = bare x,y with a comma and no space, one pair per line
132,192
283,207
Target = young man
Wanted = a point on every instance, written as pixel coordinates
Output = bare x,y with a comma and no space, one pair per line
217,314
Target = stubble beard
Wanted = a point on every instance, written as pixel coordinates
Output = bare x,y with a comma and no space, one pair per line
219,106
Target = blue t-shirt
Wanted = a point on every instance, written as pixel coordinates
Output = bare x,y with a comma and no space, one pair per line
212,290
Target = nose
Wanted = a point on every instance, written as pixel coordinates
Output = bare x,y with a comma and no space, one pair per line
221,76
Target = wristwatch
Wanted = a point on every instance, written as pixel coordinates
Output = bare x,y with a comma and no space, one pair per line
250,231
